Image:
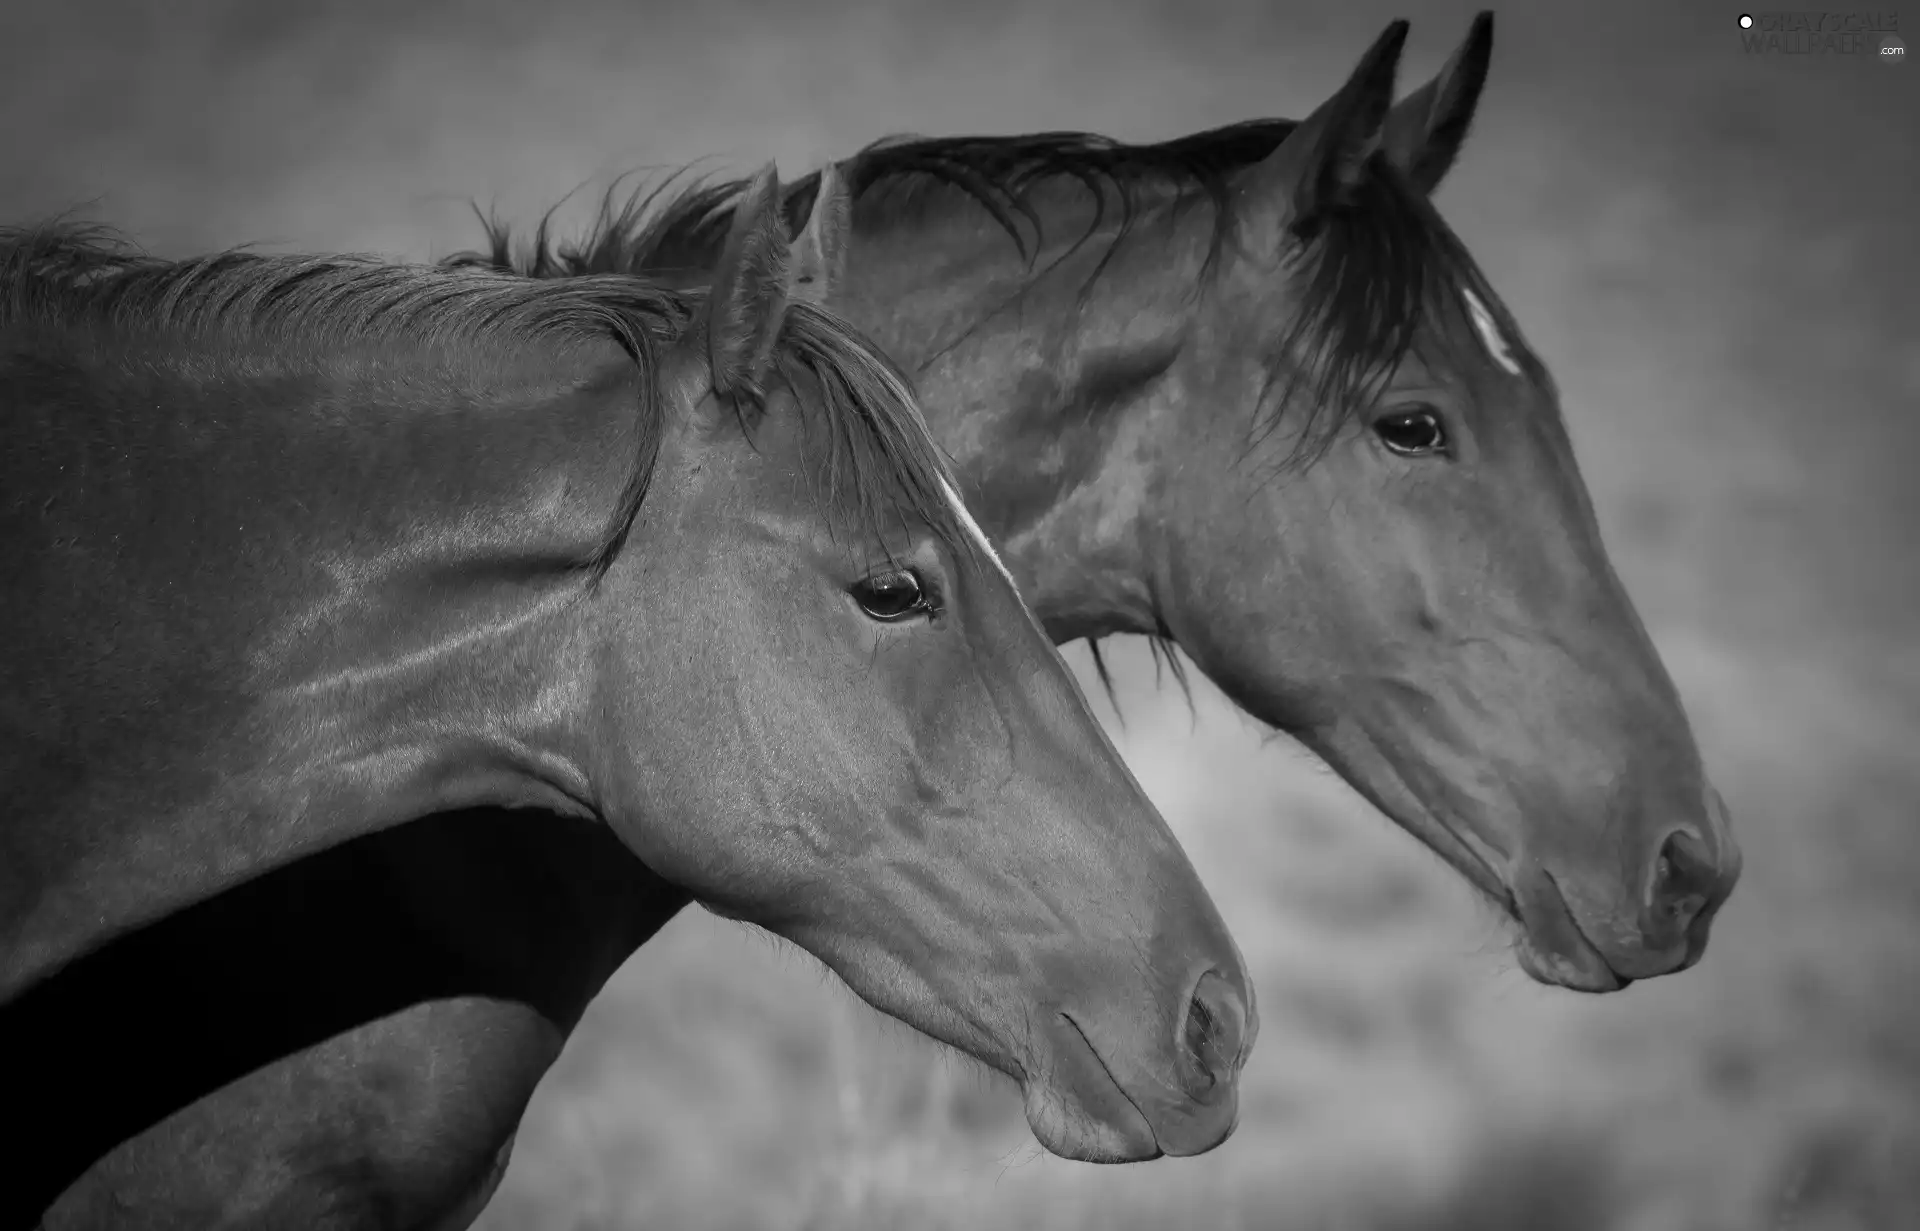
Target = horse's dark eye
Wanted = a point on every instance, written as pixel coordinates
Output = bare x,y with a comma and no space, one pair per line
892,596
1412,433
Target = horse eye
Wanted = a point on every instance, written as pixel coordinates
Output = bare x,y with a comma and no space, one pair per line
892,596
1412,433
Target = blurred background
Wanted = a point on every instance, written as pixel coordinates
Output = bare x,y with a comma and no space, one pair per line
1714,252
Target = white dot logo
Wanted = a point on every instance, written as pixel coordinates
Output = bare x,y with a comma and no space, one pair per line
1746,21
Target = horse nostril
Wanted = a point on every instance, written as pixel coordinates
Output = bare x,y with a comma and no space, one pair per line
1683,880
1214,1033
1200,1036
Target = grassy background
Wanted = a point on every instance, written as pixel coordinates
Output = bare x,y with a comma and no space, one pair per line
1714,252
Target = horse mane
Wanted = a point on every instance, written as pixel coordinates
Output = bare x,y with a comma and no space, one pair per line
679,234
1369,271
69,278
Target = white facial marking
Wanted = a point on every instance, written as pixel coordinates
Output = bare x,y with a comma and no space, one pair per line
960,510
972,527
1489,332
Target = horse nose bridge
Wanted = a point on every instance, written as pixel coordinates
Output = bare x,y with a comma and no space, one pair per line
1076,776
1167,952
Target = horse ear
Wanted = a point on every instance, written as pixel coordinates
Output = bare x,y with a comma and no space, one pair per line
820,254
1426,129
749,296
1325,157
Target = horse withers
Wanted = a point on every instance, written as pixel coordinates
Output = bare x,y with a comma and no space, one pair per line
307,549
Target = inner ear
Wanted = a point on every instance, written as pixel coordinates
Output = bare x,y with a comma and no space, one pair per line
747,305
820,253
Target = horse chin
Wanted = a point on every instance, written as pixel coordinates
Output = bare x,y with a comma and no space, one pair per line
1066,1132
1552,948
1579,973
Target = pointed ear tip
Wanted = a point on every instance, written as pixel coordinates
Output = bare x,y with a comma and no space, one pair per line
765,179
1382,64
1386,49
1476,53
1389,39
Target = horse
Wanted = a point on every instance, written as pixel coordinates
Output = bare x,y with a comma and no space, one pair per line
1145,360
305,551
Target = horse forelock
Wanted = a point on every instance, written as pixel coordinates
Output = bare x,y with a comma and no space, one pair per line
1370,283
878,437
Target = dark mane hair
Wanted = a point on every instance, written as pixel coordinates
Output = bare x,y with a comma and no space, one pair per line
1369,271
69,279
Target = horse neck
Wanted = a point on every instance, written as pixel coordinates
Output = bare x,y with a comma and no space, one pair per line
349,605
1029,372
